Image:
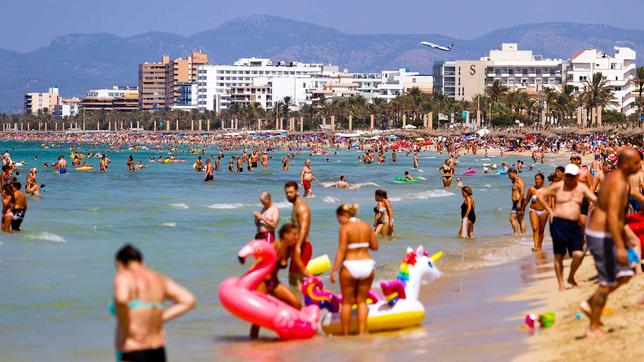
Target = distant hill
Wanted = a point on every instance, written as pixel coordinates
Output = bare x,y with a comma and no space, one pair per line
78,62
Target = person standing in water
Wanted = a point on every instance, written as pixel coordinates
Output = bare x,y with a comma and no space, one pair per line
447,172
538,213
19,206
384,219
140,308
517,219
61,165
267,219
306,177
468,215
209,171
357,268
130,164
301,217
606,239
416,164
102,164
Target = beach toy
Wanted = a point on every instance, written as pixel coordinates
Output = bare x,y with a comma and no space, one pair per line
502,172
84,168
314,293
547,320
239,297
166,161
319,265
578,316
633,258
400,308
530,320
471,171
404,179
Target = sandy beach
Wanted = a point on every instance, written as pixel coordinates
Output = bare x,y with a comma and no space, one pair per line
566,340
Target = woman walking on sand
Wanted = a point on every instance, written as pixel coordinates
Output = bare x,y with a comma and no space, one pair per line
538,212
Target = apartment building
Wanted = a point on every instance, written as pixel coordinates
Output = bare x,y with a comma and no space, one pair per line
161,84
618,70
121,99
516,69
35,102
255,79
68,107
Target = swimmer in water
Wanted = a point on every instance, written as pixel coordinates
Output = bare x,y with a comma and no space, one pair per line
341,184
408,176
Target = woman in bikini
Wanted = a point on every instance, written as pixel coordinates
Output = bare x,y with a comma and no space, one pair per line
285,248
447,171
384,220
139,306
8,201
538,213
355,265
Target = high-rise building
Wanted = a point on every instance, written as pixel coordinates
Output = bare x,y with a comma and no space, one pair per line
161,84
618,71
35,102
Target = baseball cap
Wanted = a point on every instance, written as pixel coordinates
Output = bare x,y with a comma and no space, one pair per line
572,170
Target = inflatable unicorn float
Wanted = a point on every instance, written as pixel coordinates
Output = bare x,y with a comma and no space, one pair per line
239,297
400,307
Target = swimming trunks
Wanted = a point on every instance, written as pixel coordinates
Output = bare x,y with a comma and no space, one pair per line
18,217
585,205
305,255
254,164
62,170
360,269
566,235
146,355
515,206
306,184
208,178
602,246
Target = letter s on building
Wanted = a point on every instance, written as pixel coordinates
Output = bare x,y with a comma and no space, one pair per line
472,69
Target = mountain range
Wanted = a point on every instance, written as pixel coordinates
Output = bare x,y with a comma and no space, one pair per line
77,62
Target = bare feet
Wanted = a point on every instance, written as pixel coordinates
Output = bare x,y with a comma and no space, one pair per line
571,281
592,333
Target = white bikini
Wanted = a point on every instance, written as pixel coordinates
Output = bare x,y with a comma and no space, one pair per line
538,212
359,269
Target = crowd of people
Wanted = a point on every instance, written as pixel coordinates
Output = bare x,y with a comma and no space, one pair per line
585,205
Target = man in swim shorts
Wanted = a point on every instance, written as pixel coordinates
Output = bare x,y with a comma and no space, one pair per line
267,219
565,227
606,239
301,217
209,171
306,177
61,165
19,206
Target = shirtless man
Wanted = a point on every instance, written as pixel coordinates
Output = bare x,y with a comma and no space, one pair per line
209,171
565,227
264,159
606,168
517,219
606,239
254,158
285,163
199,164
267,219
301,217
306,176
341,183
61,165
19,206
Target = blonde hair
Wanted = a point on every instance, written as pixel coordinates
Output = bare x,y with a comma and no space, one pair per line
467,190
347,209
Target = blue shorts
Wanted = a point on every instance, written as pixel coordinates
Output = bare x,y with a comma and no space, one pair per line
566,236
62,170
602,246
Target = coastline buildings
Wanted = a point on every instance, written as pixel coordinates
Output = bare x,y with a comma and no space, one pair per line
514,68
123,99
617,70
256,80
161,84
67,108
35,102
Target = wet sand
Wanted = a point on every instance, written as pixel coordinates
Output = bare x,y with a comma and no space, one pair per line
464,322
566,340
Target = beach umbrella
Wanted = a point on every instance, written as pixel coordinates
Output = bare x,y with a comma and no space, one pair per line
420,139
391,137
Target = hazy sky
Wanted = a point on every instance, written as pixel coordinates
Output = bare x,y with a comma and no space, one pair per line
29,24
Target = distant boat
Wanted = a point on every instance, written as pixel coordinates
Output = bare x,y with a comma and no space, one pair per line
436,46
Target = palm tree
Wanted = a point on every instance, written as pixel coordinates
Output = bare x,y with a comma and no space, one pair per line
495,91
285,106
638,82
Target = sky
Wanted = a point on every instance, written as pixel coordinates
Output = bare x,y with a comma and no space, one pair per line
29,24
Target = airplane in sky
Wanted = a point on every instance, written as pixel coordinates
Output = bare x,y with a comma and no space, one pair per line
436,46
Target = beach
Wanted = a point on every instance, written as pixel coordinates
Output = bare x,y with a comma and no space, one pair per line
566,340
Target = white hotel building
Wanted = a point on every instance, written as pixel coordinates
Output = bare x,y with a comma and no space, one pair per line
256,80
617,70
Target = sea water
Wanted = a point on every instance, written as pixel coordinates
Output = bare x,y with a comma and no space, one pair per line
57,273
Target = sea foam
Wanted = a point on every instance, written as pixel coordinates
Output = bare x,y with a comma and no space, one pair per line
47,237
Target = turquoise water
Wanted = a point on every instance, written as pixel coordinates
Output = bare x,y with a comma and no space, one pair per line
57,274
